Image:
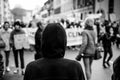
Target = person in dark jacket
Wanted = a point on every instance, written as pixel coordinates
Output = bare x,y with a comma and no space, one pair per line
38,36
116,69
17,31
106,39
53,65
1,67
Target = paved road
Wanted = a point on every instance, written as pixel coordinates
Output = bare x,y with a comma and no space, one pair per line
99,73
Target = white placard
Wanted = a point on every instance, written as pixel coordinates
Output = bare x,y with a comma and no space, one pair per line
21,41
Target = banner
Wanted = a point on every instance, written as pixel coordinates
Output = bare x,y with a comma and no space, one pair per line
30,33
73,36
21,41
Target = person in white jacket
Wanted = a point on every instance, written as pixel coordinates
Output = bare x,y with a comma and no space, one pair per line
5,35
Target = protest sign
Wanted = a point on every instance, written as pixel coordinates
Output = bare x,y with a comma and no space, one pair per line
74,37
30,33
21,41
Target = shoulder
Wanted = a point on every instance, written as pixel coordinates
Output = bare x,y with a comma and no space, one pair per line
72,63
1,31
32,65
116,62
74,66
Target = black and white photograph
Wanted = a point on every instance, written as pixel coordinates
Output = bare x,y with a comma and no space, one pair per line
59,39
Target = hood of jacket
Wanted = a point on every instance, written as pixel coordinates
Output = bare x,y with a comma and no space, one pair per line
54,41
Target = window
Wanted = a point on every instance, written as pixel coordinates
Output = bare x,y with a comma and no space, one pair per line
81,16
57,11
111,6
100,0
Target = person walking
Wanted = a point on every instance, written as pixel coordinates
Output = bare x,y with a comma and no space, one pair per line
16,32
87,49
5,35
106,39
53,65
38,36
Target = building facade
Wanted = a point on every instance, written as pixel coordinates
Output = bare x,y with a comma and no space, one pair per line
117,9
77,9
109,8
5,13
1,11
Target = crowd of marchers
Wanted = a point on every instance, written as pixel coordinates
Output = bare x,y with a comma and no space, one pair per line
50,46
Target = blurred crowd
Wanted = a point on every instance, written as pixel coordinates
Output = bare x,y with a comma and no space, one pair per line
103,32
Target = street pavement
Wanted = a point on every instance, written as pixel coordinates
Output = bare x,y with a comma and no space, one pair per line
98,72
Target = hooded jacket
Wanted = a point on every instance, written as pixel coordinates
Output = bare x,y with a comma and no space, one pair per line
116,69
53,66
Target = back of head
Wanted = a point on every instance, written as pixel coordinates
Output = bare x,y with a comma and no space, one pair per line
39,25
17,23
89,24
53,41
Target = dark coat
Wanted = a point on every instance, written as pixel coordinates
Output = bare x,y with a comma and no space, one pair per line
38,37
1,66
116,69
53,66
106,40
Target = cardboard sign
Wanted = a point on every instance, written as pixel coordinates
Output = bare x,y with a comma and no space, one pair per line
73,36
21,41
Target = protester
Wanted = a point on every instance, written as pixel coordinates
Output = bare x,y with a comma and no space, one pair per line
5,35
2,72
53,65
118,36
17,31
38,36
1,66
63,23
116,69
87,49
115,30
106,39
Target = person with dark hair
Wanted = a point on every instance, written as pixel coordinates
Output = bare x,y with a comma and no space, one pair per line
17,31
87,49
38,36
116,69
106,39
117,34
5,35
53,65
